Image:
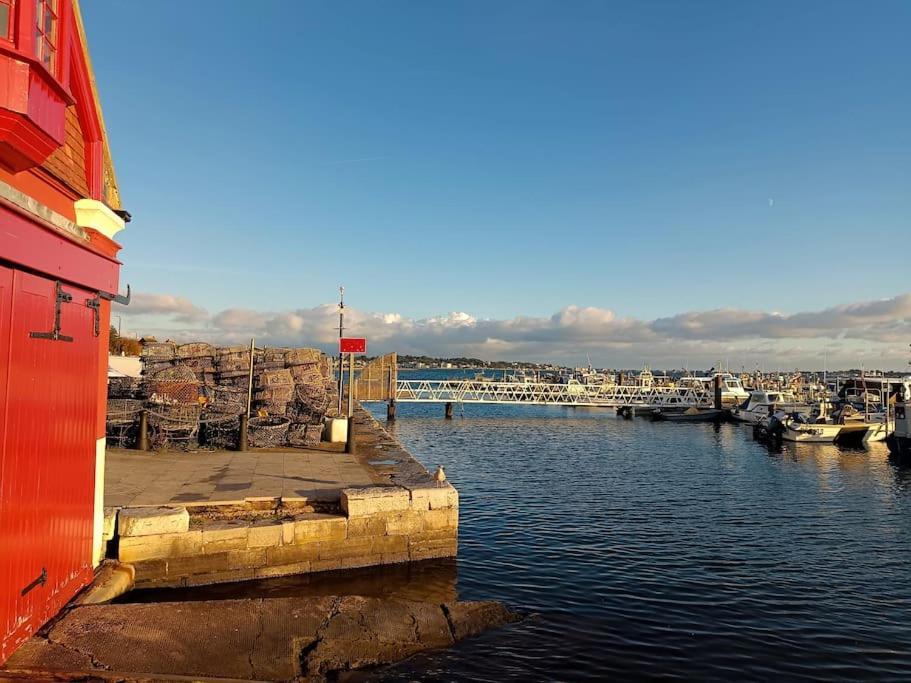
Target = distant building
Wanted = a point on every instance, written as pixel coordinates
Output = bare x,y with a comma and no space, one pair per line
59,212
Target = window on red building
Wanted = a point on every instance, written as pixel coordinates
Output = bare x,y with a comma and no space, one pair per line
6,19
46,33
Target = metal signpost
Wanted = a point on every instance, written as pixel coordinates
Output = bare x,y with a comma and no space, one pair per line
351,346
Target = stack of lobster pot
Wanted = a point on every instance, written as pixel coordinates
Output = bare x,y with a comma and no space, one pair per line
232,365
157,356
200,358
310,396
274,391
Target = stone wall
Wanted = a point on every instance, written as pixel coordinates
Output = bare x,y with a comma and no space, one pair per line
376,525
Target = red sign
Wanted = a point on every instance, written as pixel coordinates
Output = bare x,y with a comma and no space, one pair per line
352,345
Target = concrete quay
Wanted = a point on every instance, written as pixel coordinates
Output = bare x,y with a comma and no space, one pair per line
189,519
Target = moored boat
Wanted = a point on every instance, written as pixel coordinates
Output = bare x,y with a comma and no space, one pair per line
761,402
690,415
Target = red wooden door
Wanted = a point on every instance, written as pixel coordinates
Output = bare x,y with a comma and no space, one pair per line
47,454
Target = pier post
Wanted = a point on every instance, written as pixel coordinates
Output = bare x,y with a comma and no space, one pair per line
350,443
142,440
718,392
390,411
448,411
242,433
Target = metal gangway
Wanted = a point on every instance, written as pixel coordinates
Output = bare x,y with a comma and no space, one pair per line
543,393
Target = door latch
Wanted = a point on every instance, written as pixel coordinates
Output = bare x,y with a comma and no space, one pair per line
40,581
54,335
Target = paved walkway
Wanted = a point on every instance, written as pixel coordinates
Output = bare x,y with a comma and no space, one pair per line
136,478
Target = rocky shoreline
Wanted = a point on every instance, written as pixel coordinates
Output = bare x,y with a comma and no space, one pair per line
275,639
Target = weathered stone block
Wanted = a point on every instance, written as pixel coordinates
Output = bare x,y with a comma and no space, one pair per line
315,526
404,523
219,537
352,547
395,558
228,576
241,559
110,524
434,496
197,564
343,563
264,533
149,570
291,554
164,546
374,525
372,499
437,520
152,521
282,570
426,550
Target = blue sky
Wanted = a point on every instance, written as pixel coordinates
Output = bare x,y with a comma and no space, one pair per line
512,158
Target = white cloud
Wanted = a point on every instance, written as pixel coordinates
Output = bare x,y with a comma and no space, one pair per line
175,308
871,331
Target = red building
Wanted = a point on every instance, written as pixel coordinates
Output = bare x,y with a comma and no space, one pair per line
59,212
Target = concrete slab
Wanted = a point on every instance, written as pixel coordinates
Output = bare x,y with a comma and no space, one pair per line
137,479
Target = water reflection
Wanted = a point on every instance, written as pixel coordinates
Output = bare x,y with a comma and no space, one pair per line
433,581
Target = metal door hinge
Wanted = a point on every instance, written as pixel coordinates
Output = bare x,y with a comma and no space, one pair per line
54,335
40,581
95,305
117,298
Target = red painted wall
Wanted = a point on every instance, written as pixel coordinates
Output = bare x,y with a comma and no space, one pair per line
47,453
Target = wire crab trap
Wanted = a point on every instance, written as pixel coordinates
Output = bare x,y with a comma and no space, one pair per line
120,423
268,432
174,425
124,387
304,435
219,429
176,384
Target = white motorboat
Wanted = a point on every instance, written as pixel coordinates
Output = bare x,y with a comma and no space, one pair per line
732,391
761,401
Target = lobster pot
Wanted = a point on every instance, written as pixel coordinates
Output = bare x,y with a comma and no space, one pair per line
195,350
228,399
177,384
120,423
219,430
174,425
275,356
305,435
303,356
124,387
270,379
272,407
232,364
153,367
306,373
158,351
268,432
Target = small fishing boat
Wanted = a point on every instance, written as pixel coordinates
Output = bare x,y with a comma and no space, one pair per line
690,415
759,403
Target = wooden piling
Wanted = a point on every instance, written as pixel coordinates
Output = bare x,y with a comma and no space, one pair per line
449,411
390,411
718,402
142,441
242,433
350,442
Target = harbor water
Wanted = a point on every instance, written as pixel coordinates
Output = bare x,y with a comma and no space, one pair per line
641,550
687,551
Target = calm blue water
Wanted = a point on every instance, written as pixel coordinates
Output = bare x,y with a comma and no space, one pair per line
683,551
